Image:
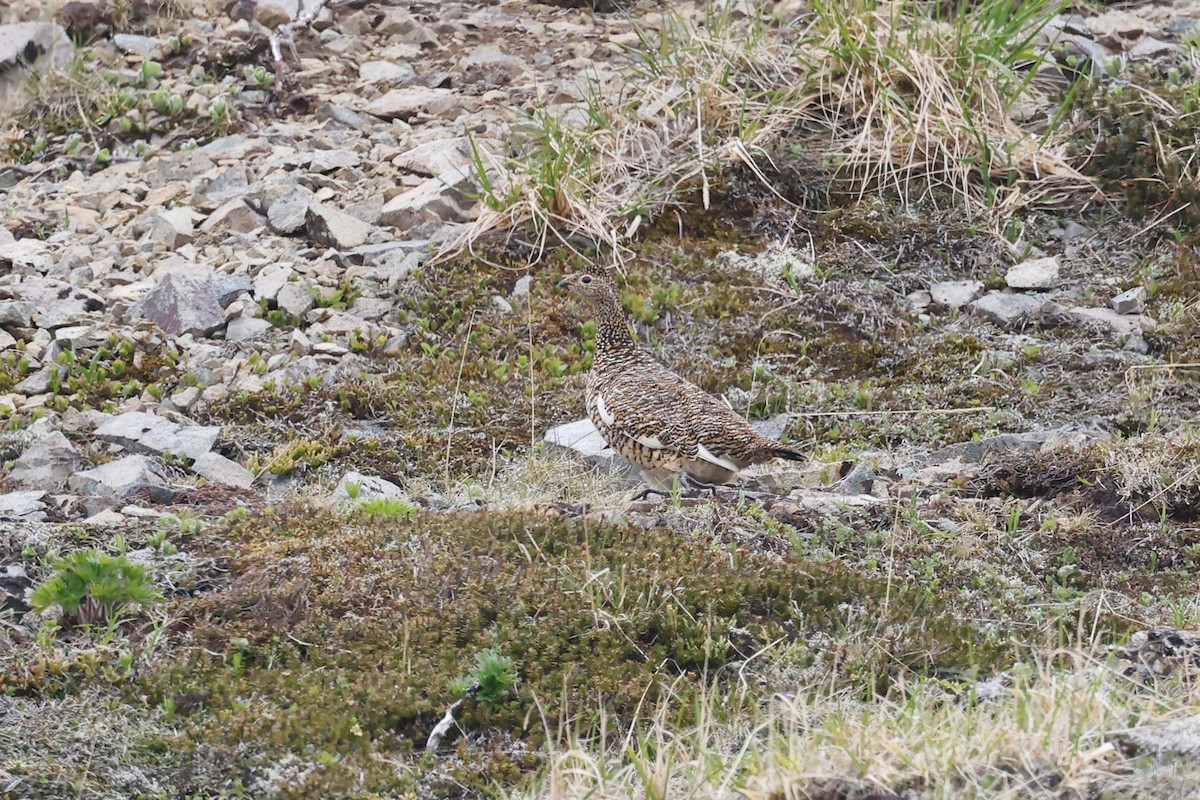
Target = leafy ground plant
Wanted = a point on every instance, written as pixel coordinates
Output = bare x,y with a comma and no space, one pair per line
93,587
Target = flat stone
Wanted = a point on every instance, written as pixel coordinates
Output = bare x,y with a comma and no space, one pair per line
217,468
173,227
47,464
236,216
230,184
23,505
379,71
38,46
120,478
288,214
1179,737
367,486
1148,48
329,160
107,518
184,301
132,43
1008,310
38,382
270,280
405,104
954,294
16,313
1130,301
141,431
57,303
439,199
274,13
244,328
582,438
452,156
333,228
1121,323
1037,273
230,286
295,298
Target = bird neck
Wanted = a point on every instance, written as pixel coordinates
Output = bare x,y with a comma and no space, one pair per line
614,341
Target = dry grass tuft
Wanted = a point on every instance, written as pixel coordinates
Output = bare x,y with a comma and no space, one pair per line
907,103
1046,734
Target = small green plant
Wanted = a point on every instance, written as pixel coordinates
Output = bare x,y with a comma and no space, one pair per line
490,678
94,587
386,507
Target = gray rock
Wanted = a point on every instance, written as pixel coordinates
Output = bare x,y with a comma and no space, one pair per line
244,328
1069,436
1148,48
38,382
57,303
137,45
919,300
23,506
1136,343
235,215
489,65
219,469
295,298
1121,323
184,301
378,71
1036,273
36,45
1009,310
231,184
333,228
582,437
439,199
229,287
406,103
273,13
141,431
47,464
954,294
119,479
16,314
1182,26
1073,230
438,157
172,228
366,486
7,340
270,280
329,160
860,480
1130,301
1178,737
287,214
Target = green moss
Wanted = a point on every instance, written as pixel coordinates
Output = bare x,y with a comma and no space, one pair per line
335,637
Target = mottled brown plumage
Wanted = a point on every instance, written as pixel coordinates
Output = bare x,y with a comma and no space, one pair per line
661,423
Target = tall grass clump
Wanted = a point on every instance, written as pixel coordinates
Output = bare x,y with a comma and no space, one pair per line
897,97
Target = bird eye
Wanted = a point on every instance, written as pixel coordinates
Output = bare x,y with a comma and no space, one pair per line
586,279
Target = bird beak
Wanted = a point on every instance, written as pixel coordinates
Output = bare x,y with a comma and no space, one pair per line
563,283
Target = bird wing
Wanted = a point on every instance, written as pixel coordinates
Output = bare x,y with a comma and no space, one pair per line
661,411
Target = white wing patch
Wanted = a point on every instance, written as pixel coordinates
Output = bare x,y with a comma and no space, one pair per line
653,442
708,455
606,416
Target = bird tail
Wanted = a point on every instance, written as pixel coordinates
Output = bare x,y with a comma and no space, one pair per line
784,451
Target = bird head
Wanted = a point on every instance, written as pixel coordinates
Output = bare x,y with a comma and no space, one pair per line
593,284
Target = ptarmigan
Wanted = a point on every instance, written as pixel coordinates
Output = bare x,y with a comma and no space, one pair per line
666,426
